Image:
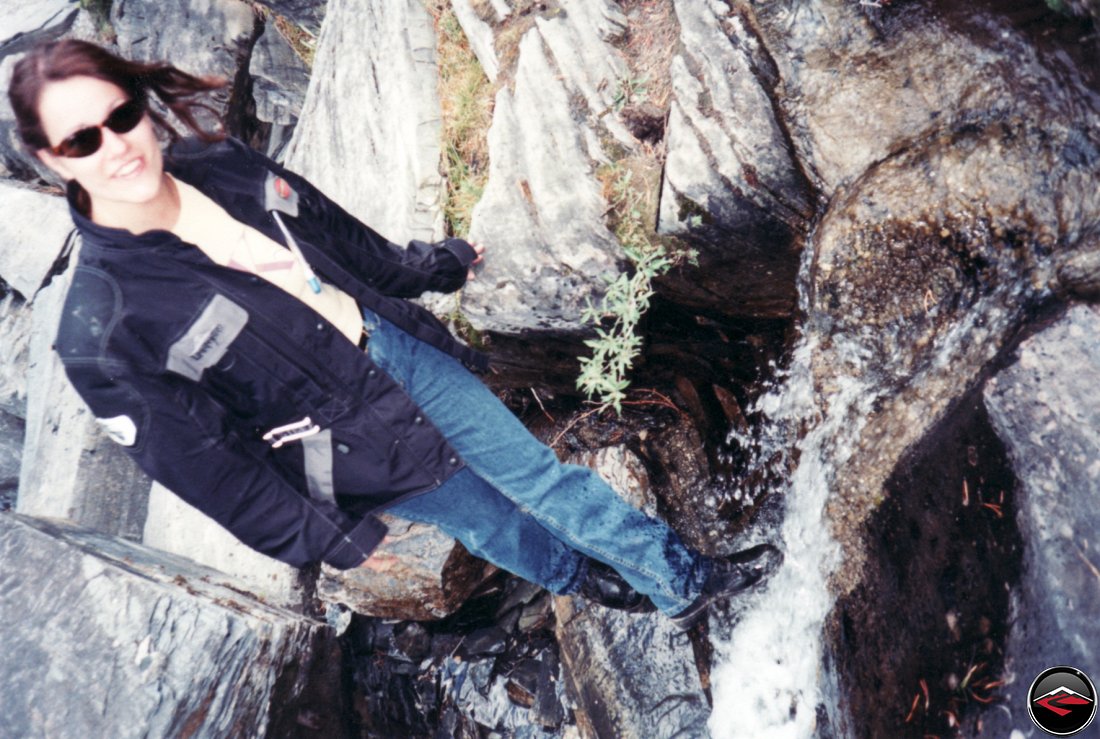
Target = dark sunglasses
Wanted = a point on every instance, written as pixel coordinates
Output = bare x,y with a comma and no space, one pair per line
87,141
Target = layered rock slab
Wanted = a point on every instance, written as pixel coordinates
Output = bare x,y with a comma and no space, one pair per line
542,212
1046,409
108,638
730,179
71,470
369,133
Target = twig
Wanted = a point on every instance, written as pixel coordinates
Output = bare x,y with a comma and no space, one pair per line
544,411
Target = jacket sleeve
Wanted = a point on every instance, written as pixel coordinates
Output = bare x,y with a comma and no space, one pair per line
178,435
388,268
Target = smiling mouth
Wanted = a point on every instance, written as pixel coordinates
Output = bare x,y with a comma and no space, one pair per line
130,168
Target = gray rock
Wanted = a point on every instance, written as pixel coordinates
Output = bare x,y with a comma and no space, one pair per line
579,37
307,13
1046,409
623,668
71,470
279,79
172,525
16,324
107,638
542,213
480,35
730,178
369,134
24,22
432,577
12,429
33,230
632,675
727,152
202,37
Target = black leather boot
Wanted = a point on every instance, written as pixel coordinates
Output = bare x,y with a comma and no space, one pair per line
607,587
730,576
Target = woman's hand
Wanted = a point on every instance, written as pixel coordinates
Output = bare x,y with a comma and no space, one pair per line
477,260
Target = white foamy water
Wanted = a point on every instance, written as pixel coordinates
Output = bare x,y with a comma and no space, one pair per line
768,681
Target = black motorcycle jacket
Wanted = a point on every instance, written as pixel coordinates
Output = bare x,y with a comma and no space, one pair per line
237,396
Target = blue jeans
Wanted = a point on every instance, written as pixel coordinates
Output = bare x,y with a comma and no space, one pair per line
514,504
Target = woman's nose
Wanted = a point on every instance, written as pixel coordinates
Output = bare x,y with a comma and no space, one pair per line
113,143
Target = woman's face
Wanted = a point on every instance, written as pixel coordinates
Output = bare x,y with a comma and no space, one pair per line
127,168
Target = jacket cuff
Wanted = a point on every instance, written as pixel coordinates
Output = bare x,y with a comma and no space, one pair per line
461,249
356,545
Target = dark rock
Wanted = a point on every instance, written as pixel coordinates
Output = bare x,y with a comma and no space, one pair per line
307,13
109,638
490,640
11,455
523,682
631,675
279,79
536,614
412,640
1046,408
551,713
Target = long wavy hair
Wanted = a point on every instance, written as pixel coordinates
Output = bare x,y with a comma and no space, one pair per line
54,61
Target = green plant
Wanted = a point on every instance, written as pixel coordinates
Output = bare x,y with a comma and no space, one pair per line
605,374
629,90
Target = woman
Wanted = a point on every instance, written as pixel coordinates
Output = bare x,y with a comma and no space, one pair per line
250,344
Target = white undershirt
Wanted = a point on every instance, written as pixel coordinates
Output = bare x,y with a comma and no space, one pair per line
230,243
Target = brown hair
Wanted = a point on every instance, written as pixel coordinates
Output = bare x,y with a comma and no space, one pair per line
59,60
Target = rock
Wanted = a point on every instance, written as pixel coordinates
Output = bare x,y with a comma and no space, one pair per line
71,470
108,638
1046,408
202,37
34,227
306,13
621,666
11,456
433,576
730,178
579,37
16,324
480,35
632,675
624,472
690,504
369,133
172,525
25,22
962,235
542,209
279,79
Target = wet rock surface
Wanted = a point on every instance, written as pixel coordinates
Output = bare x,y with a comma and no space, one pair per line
921,641
492,666
11,454
1045,407
175,650
633,675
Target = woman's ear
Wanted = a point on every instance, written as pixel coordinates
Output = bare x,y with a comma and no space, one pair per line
55,163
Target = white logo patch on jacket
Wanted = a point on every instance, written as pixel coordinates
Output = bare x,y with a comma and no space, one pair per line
120,428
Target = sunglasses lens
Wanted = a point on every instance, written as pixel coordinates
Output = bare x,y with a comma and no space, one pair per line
125,117
84,142
87,141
